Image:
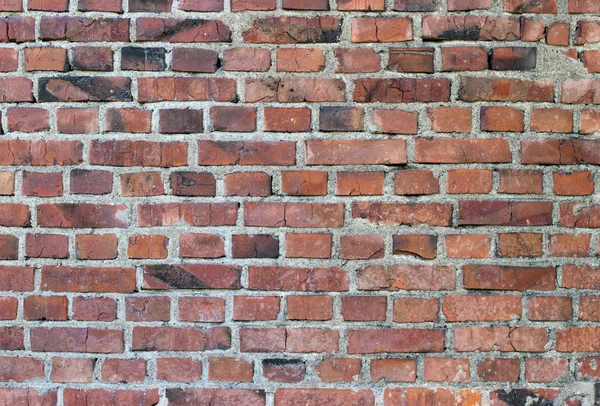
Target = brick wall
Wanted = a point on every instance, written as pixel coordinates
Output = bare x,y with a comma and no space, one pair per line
299,202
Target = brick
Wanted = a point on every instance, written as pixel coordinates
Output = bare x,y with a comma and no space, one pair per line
47,246
16,89
495,118
310,340
201,309
201,5
586,216
155,308
338,369
14,215
42,184
411,60
393,29
360,5
8,308
181,30
262,339
470,28
591,60
77,121
520,181
354,60
9,247
10,59
284,370
514,58
577,339
194,60
246,5
588,306
469,181
406,277
77,370
73,397
46,59
464,59
44,5
7,183
464,5
573,184
84,89
295,90
309,307
27,120
168,338
266,214
508,90
364,308
396,121
395,340
580,277
509,277
498,212
304,183
235,119
446,369
552,120
80,215
587,32
568,245
129,120
300,59
394,370
499,370
255,308
414,5
185,89
254,246
246,153
247,184
246,60
355,152
45,308
193,184
183,396
359,183
341,119
308,245
180,121
462,150
142,184
138,153
230,369
415,310
71,339
194,245
583,91
288,396
287,119
21,369
401,90
123,370
422,246
416,182
92,58
196,214
586,367
297,279
481,308
191,276
434,214
558,33
87,279
532,30
92,182
294,30
524,6
398,396
545,369
94,309
178,369
514,245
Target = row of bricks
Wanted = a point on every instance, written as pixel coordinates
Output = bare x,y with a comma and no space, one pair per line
351,247
297,183
323,29
196,309
511,6
304,214
301,339
330,119
296,90
230,369
426,396
281,278
349,60
440,150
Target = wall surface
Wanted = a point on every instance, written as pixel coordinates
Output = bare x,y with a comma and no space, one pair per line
299,202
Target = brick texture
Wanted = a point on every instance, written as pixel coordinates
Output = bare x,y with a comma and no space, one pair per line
299,202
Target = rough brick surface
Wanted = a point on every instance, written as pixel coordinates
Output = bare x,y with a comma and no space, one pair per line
299,202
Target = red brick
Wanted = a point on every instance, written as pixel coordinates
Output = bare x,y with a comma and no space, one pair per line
568,245
499,370
181,30
360,5
396,121
321,396
253,308
295,90
520,181
465,150
76,397
495,118
395,340
96,246
27,120
411,60
309,307
332,118
416,182
306,340
9,247
255,5
141,184
545,369
21,369
77,121
87,279
93,58
41,153
502,212
284,370
496,277
587,32
464,59
246,59
588,308
157,89
235,119
587,367
369,29
170,338
45,308
304,183
42,184
151,308
434,214
7,183
193,214
469,181
247,184
308,245
9,61
71,339
471,28
359,183
355,60
401,90
577,339
138,153
394,370
193,245
246,153
297,279
579,215
202,309
355,152
230,369
201,5
193,184
11,338
180,121
468,246
287,119
303,30
364,308
552,120
446,369
16,89
507,90
573,184
184,396
481,308
300,59
8,308
92,182
47,246
94,309
361,247
128,120
558,33
302,215
123,370
580,277
532,30
513,245
582,91
46,58
338,369
422,246
194,60
77,370
178,369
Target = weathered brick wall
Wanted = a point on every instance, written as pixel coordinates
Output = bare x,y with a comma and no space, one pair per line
299,202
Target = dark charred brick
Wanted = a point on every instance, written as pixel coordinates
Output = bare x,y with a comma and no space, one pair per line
153,6
195,60
180,121
284,370
84,88
341,118
192,276
92,58
522,397
254,246
514,58
147,59
294,30
91,182
193,184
